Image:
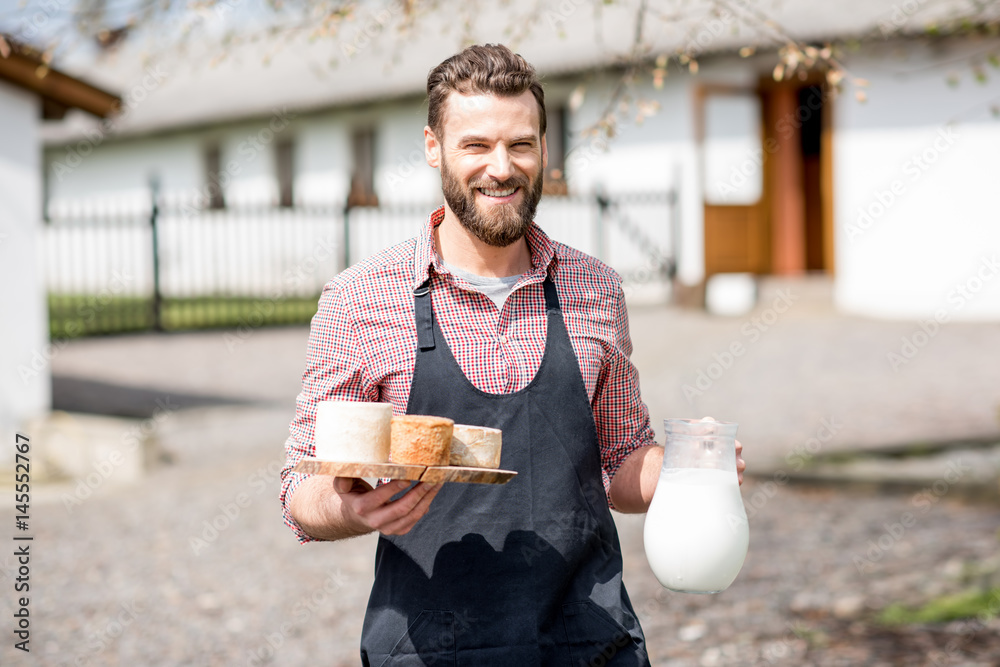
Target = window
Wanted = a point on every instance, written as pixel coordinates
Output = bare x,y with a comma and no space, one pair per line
284,161
363,168
556,139
213,171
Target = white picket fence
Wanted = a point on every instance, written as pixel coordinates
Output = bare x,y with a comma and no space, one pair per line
276,252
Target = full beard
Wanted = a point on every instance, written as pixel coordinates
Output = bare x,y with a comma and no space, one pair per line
498,225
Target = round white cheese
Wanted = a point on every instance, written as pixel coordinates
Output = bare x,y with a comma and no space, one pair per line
353,431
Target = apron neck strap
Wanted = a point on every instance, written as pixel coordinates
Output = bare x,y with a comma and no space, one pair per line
551,298
424,315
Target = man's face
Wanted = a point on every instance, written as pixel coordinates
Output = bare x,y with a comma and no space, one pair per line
491,160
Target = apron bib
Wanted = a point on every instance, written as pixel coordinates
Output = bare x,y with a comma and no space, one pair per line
525,573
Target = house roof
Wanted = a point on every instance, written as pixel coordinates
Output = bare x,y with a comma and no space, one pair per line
24,67
370,60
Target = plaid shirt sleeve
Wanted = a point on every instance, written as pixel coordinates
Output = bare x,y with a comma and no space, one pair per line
335,369
621,417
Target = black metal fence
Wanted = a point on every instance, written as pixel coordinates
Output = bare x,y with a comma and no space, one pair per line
164,264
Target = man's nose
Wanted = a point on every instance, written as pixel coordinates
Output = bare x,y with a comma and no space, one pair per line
500,167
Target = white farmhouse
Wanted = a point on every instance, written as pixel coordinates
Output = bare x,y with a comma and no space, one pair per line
30,92
892,198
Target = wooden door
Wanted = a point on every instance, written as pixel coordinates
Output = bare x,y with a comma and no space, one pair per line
734,238
731,156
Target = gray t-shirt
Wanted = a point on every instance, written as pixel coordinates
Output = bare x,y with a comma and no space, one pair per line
497,289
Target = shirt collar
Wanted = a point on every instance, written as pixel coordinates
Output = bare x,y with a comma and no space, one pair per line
543,252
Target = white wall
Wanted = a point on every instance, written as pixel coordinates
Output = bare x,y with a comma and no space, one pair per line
322,159
401,172
270,247
24,333
661,152
646,158
651,156
917,219
121,169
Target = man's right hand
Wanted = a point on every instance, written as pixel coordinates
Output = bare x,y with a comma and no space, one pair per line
374,509
334,508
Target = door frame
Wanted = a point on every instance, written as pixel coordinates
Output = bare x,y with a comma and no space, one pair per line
756,214
764,210
813,78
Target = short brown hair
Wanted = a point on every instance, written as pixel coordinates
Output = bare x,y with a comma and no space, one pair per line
481,69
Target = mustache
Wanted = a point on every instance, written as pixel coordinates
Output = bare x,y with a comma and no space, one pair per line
513,182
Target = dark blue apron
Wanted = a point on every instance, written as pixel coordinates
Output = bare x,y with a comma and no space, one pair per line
526,573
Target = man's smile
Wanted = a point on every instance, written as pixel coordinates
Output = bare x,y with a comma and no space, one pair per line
498,195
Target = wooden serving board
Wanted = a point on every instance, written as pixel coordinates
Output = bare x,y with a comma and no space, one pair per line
436,474
387,470
431,475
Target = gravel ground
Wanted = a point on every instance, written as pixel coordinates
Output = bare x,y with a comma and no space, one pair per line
123,580
193,566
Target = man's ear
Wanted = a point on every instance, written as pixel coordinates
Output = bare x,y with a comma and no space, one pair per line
432,148
545,154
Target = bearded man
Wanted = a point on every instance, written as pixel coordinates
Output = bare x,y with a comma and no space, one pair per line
485,320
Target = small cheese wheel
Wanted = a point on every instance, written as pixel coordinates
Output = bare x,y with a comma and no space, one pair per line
475,446
421,440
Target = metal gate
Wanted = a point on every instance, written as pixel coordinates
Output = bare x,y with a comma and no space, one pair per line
167,265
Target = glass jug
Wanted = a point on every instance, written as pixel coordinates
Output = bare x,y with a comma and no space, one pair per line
696,533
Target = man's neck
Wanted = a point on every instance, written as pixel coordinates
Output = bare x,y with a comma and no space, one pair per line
460,248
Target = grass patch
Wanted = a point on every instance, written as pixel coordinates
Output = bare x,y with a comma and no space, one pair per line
71,316
981,604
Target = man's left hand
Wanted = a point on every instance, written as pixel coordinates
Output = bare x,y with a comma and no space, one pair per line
741,465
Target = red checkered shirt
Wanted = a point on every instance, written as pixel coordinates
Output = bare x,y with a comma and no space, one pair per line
363,340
